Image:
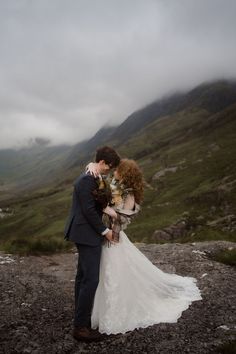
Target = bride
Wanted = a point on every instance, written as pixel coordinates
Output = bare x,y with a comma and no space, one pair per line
132,292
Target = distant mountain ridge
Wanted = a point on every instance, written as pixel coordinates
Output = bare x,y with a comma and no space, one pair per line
29,166
210,96
83,150
42,163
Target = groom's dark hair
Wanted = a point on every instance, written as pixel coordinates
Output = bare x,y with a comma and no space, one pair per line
109,155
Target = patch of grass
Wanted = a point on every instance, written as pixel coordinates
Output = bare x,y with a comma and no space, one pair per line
36,246
55,227
206,234
227,256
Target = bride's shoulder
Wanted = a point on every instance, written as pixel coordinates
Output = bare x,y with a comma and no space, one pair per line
129,201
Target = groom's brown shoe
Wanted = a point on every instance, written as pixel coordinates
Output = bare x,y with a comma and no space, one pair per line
85,334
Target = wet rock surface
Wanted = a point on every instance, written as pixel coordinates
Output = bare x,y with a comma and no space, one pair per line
36,304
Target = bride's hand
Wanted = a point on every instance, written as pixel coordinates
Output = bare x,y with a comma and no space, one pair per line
108,210
91,168
110,237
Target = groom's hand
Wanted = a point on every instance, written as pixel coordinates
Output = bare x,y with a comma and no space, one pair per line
109,236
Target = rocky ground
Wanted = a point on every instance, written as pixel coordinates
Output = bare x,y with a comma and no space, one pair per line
37,305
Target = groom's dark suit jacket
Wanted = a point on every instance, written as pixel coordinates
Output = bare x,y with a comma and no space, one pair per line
84,225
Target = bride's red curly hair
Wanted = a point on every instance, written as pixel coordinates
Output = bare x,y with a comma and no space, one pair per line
131,177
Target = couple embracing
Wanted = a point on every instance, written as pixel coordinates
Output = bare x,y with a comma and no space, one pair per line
117,289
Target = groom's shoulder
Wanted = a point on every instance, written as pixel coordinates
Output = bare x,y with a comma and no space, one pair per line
85,177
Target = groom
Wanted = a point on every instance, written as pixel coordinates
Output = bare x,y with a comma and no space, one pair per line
86,229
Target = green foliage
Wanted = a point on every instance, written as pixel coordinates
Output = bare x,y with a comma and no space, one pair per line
206,234
36,246
227,256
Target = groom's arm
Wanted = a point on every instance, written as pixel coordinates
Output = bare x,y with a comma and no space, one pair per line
84,189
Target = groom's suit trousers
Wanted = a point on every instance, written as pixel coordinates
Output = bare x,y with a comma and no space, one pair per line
86,283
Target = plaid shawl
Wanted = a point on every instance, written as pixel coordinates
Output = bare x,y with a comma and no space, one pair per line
124,217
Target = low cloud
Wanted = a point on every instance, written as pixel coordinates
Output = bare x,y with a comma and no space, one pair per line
69,67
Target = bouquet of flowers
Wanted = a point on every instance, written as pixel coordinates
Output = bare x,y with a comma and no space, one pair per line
119,192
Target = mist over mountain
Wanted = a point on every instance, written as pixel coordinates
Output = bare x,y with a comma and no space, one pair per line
39,162
67,73
39,142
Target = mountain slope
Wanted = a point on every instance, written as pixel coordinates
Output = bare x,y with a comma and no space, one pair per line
37,165
188,160
210,96
83,151
30,168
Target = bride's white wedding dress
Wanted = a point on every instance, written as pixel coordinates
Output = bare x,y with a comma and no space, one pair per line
134,293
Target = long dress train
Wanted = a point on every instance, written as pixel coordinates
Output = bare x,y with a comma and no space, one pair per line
134,293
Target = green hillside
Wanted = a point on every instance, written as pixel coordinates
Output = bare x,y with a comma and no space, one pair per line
28,167
197,150
188,160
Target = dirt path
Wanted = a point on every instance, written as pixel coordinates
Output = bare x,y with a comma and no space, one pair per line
37,305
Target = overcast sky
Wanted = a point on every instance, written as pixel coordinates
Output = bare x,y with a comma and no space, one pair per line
67,67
